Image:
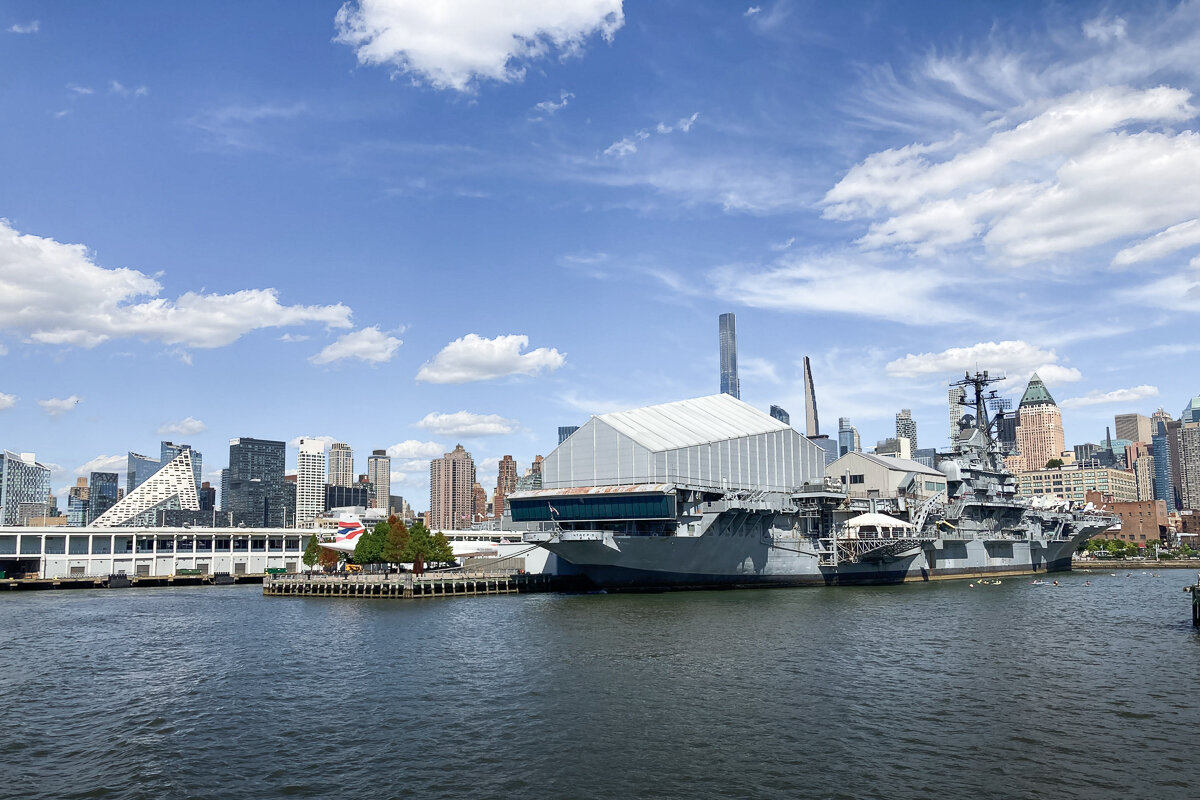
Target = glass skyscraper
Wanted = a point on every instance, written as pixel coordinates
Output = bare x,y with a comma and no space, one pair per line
729,369
170,450
102,493
22,480
139,468
781,415
255,484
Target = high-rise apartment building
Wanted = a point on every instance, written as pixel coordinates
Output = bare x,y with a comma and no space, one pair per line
23,481
379,474
1134,427
506,484
729,368
77,504
208,497
451,490
1039,428
168,451
138,468
481,503
310,481
1167,467
906,428
848,439
256,486
778,413
957,402
812,425
341,465
172,487
1189,464
102,493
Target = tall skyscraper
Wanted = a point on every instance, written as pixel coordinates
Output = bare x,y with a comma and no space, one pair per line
341,465
481,503
23,481
956,400
729,369
848,439
168,451
1191,412
379,474
906,427
256,486
506,484
1139,457
1189,463
1134,427
310,481
781,415
564,431
77,504
102,493
138,469
812,426
208,497
1039,428
451,490
1166,459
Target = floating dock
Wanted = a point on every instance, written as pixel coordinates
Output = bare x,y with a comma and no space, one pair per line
406,585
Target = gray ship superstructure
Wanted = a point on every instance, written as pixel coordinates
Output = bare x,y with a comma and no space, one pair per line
713,492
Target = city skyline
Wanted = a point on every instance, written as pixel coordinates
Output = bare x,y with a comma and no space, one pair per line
192,221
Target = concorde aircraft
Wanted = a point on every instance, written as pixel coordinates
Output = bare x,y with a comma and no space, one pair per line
351,528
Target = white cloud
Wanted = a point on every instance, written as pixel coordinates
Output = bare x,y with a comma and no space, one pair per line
54,293
451,46
295,337
1049,178
464,423
1163,243
779,247
751,11
1104,30
1179,291
1096,398
239,127
620,149
369,344
117,464
188,426
81,90
1016,360
627,146
413,449
7,400
116,87
3,350
29,27
59,405
474,358
548,107
838,284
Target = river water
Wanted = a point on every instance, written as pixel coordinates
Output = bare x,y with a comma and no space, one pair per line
917,691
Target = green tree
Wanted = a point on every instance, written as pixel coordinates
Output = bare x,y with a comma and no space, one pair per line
424,546
1053,463
312,552
396,541
369,549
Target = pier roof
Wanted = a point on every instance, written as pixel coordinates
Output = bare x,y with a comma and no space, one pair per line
686,423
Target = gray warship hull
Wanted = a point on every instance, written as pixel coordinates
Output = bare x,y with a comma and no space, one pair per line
649,562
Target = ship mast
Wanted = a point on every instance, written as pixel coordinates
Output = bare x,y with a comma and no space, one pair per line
978,384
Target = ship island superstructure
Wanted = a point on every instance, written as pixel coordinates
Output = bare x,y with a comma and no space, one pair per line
713,492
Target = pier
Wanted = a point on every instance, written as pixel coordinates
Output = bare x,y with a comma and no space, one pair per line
406,585
1195,593
123,581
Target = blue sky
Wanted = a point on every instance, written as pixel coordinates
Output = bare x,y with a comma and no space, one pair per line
401,227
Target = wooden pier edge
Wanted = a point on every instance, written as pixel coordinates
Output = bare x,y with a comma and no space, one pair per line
405,585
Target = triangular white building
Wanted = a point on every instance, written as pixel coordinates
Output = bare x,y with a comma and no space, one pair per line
173,486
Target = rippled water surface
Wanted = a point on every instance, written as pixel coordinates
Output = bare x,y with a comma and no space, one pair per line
905,692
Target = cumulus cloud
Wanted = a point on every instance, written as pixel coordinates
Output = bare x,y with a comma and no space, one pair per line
464,423
56,406
188,426
369,344
54,293
325,441
1015,359
117,464
451,46
7,400
1047,179
28,27
413,449
1130,395
474,358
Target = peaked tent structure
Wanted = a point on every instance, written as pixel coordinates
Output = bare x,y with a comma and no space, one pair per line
173,486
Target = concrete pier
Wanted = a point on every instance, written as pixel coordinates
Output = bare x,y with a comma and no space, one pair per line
123,581
405,585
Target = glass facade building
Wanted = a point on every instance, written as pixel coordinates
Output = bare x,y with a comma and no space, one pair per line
102,493
168,452
139,468
729,368
781,415
22,481
255,486
565,431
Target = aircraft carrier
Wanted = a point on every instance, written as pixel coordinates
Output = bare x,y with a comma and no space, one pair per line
713,493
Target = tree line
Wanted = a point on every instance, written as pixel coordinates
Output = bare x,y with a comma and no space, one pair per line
390,542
